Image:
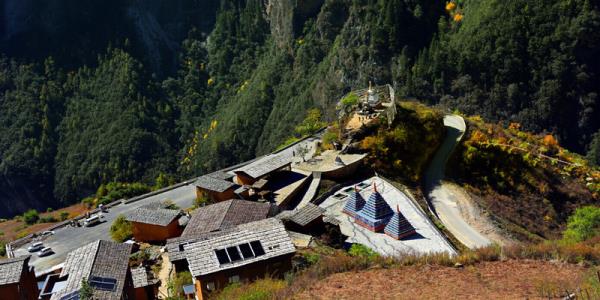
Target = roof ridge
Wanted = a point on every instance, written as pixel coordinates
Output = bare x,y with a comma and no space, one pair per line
226,212
14,259
97,250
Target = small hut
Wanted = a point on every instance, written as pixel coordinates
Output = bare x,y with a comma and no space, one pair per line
354,204
399,227
375,214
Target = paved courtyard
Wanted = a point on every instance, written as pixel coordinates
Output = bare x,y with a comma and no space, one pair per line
427,240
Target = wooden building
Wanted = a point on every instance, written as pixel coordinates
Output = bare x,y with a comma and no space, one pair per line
144,287
216,187
241,254
262,168
103,264
155,224
307,219
17,279
213,218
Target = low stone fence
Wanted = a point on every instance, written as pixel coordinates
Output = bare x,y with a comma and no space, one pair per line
27,239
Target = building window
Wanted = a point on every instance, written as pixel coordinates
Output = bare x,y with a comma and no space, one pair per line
234,255
234,279
222,256
241,252
210,286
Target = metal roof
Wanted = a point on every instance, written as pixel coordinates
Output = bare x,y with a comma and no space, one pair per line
12,268
271,234
154,216
100,259
266,165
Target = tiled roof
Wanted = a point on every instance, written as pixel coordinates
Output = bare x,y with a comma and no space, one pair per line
215,184
331,220
154,216
210,220
176,246
376,207
375,214
354,203
399,227
304,215
266,165
270,233
220,175
139,276
98,259
225,214
12,268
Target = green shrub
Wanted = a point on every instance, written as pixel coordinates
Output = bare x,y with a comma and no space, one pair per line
21,234
201,201
181,279
312,258
31,216
64,215
117,190
163,180
48,219
2,248
88,201
350,100
169,204
49,210
359,250
121,229
583,224
311,124
86,292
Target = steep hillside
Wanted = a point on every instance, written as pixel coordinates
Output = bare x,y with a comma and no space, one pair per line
530,62
527,182
211,83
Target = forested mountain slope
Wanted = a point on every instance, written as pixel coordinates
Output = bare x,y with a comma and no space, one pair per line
183,87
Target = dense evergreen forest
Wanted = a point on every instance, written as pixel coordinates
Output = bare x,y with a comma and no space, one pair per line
122,91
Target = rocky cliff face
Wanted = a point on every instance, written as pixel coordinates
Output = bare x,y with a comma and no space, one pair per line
287,17
17,196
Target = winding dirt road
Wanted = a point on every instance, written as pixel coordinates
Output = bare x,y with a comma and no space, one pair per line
442,199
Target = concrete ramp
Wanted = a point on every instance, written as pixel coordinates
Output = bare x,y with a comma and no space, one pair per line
312,190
